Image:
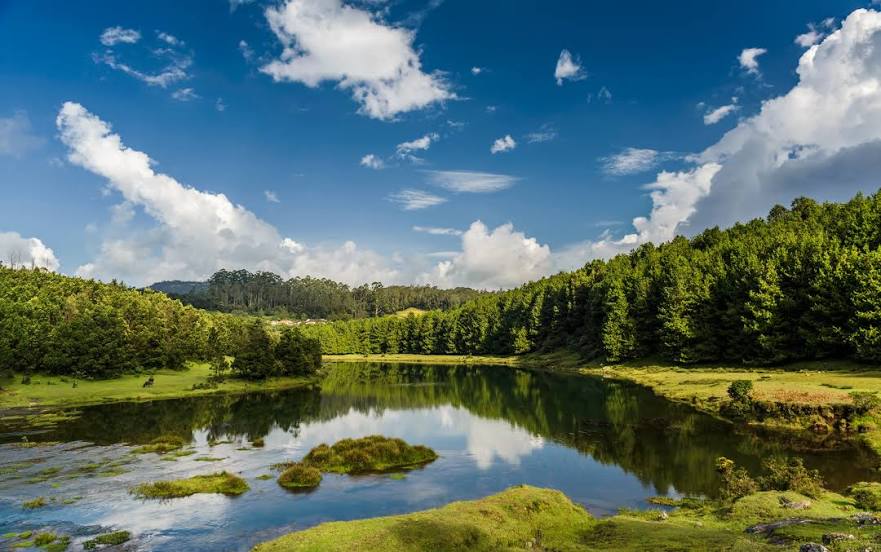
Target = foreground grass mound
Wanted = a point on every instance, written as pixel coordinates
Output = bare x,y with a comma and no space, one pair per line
518,518
215,483
300,477
368,454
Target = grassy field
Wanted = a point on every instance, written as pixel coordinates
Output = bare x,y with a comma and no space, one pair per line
54,391
426,359
522,518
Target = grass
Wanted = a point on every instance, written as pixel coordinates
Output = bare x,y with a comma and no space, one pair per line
107,539
299,476
216,483
35,503
161,445
51,391
505,521
368,455
543,519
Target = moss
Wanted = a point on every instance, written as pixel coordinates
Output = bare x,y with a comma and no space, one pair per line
60,545
368,454
265,477
161,445
258,442
866,495
516,519
38,502
219,483
300,476
108,539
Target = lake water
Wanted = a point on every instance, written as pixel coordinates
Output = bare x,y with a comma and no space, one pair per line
605,444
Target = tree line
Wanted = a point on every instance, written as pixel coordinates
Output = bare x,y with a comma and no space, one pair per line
57,324
802,283
308,297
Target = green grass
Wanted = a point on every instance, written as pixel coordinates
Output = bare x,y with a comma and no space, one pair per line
107,539
506,521
215,483
299,476
523,518
35,503
162,444
51,391
367,455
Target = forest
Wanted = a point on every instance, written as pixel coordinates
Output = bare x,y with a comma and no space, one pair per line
267,293
56,324
802,283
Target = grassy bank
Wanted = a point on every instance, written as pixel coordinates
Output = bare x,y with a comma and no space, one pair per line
55,391
542,519
427,359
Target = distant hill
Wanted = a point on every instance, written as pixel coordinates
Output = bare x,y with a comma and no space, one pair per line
307,297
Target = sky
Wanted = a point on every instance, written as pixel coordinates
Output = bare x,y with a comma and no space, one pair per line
439,142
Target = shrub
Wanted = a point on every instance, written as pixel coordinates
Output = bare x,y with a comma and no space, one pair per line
790,474
258,442
741,391
866,495
865,402
300,476
736,482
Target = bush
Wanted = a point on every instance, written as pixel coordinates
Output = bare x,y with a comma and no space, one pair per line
865,402
790,474
741,391
300,476
866,495
736,482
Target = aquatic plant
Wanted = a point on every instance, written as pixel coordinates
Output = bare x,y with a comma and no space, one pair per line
108,539
216,483
300,476
161,445
368,454
35,503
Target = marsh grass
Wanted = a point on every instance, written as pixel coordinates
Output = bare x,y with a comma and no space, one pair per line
216,483
373,454
107,539
300,476
161,445
35,503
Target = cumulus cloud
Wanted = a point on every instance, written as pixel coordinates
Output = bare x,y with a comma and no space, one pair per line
419,144
195,232
117,35
17,251
16,135
715,115
185,95
412,200
503,144
477,70
438,231
635,160
815,33
494,259
325,40
271,196
568,68
470,181
749,59
372,162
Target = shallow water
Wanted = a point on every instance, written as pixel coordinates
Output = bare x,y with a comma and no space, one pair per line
603,443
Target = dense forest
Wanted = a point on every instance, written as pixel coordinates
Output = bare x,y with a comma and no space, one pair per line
803,283
70,326
307,297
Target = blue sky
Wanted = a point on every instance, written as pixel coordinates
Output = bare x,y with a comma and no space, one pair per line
590,103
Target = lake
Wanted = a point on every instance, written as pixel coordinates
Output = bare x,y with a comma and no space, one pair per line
605,444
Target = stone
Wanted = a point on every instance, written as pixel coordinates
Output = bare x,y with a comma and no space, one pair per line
813,547
832,538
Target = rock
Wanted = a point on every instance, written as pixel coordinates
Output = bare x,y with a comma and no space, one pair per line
813,547
865,518
663,516
768,528
795,504
832,538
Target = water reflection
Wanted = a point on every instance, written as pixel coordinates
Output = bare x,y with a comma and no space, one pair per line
603,443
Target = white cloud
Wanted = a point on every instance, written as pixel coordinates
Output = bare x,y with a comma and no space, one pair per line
470,181
546,134
325,40
815,33
219,105
437,231
411,200
419,144
169,39
17,251
476,70
372,162
503,144
195,232
271,196
246,50
635,160
185,95
235,4
749,61
715,115
16,135
116,35
604,95
501,258
176,62
568,68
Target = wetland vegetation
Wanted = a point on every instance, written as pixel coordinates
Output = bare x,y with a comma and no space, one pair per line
216,483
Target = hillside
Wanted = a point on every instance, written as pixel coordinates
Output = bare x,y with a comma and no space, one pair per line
803,283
